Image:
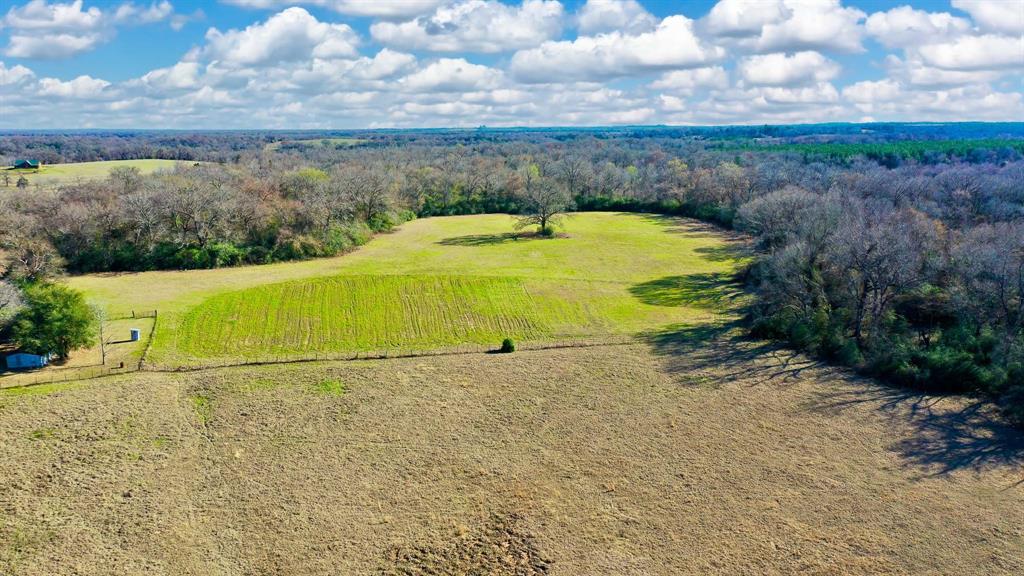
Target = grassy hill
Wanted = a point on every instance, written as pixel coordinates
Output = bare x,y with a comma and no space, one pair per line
441,282
57,174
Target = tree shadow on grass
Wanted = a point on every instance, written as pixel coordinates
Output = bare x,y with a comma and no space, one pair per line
491,239
934,434
692,227
709,291
724,350
947,433
728,252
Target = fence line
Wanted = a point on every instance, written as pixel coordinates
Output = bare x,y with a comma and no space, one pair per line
149,341
392,353
73,373
135,315
69,375
76,374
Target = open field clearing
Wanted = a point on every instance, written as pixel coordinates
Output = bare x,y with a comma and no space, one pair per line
438,282
57,174
317,142
693,453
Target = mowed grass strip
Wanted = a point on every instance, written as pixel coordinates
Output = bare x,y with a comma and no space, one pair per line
370,313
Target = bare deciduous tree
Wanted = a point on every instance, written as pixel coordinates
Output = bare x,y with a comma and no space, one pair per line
543,199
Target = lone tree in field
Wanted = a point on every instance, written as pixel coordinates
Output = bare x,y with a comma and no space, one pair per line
55,320
543,200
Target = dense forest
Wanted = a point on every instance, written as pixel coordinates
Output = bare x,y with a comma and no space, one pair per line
895,249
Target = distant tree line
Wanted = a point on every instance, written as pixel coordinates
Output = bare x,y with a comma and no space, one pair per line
912,271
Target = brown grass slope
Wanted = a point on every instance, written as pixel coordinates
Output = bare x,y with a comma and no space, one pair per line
690,454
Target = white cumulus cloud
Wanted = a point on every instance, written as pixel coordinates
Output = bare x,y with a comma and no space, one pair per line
181,76
995,15
785,25
475,26
907,26
14,75
686,81
301,63
43,30
986,52
80,87
155,12
673,44
378,8
780,69
290,35
630,16
452,75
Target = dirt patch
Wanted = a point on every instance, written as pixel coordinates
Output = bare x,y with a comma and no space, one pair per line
499,548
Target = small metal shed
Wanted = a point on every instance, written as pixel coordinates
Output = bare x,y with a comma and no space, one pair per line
25,361
136,334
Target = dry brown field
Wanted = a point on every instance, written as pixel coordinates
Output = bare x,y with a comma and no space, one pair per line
686,453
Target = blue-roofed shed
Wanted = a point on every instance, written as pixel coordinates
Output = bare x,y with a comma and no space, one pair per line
26,361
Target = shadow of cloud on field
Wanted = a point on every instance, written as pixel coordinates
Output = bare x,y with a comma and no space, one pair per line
709,291
947,433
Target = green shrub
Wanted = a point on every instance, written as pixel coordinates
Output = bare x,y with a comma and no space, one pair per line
192,258
358,232
55,320
1012,403
298,248
382,222
507,346
224,254
258,255
337,240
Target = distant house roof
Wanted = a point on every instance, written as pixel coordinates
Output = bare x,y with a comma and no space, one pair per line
21,163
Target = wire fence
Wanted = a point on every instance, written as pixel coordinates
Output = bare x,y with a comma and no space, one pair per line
135,314
386,354
27,380
149,341
72,373
89,372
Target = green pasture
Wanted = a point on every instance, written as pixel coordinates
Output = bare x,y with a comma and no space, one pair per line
317,142
58,174
441,282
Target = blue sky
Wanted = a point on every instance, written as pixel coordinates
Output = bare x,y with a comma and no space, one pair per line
383,63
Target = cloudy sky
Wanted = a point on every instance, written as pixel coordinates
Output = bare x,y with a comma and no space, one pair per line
426,63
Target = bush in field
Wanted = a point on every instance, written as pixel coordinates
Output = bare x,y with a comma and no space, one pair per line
507,346
56,319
